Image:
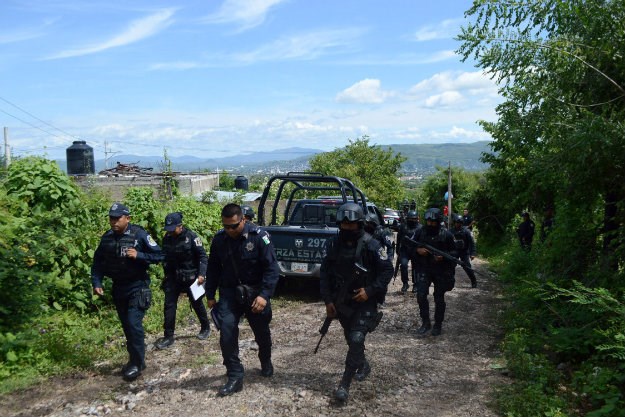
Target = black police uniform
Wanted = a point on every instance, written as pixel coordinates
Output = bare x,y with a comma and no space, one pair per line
131,283
467,220
431,271
184,260
466,249
525,231
249,260
404,255
336,286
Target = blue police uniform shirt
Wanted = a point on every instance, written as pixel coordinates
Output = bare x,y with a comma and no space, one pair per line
148,252
249,259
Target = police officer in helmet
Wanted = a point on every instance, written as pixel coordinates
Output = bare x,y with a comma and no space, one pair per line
433,269
124,254
354,274
184,261
248,213
465,245
383,235
408,228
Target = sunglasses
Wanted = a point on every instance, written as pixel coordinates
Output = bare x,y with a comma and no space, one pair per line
232,226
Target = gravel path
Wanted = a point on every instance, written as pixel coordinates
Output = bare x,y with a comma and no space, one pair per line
449,375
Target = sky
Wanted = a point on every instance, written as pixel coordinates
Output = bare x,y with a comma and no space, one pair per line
215,78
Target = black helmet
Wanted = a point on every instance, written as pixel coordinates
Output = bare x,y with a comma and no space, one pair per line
457,218
351,212
248,212
433,214
412,215
372,218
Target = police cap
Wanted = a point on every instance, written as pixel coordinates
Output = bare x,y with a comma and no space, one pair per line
118,210
173,220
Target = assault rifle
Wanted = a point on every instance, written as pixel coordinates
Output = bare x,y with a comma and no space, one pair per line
323,330
358,280
413,245
397,264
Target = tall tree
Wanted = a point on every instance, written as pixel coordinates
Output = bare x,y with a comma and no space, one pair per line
560,135
371,168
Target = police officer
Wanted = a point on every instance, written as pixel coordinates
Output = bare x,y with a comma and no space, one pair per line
465,247
242,265
350,294
467,219
408,228
184,261
124,255
525,232
248,213
547,223
433,269
383,235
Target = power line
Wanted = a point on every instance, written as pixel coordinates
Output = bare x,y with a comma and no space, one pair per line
35,117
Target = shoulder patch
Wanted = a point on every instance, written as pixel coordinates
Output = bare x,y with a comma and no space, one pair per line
266,240
151,241
198,241
382,253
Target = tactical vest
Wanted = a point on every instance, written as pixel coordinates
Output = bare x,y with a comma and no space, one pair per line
116,264
179,257
344,258
461,239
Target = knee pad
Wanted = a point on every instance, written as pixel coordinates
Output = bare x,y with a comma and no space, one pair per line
356,337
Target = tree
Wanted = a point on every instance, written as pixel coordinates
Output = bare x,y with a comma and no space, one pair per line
559,138
371,168
463,184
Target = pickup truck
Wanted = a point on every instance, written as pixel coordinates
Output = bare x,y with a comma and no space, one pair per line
301,218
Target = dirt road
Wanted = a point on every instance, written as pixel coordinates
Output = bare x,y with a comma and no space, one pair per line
448,375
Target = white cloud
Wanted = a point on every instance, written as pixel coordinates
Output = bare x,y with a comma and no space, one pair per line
447,29
448,98
137,30
246,13
305,46
365,91
461,135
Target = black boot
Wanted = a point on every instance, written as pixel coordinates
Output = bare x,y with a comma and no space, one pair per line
342,391
437,329
266,368
363,372
404,288
164,342
233,385
425,327
473,283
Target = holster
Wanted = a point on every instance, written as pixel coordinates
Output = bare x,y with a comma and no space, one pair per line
246,294
144,300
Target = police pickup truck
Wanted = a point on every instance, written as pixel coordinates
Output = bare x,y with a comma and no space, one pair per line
298,210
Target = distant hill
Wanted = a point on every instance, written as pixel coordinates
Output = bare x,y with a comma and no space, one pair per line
421,159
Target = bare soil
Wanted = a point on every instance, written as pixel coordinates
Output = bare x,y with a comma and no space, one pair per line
449,375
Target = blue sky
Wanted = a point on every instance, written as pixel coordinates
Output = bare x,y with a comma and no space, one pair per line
214,78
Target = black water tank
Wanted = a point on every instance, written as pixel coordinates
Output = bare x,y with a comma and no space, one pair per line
80,159
240,183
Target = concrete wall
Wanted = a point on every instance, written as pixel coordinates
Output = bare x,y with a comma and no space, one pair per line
188,185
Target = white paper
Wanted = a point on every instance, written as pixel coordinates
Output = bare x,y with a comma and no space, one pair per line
197,290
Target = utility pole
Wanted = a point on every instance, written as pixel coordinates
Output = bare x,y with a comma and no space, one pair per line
106,155
449,210
7,148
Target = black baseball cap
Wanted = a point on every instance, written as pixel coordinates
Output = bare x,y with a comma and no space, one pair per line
118,210
173,220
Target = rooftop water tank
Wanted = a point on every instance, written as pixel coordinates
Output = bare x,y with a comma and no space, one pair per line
240,183
80,159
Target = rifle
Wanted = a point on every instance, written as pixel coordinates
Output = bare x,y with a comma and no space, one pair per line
359,277
323,330
413,244
397,264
